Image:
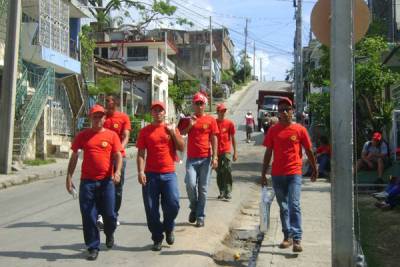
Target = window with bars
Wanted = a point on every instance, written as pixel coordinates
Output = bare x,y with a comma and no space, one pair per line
54,25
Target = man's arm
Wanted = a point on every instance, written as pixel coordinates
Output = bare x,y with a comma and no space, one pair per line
266,162
214,147
177,138
140,162
235,156
311,159
125,138
118,165
71,169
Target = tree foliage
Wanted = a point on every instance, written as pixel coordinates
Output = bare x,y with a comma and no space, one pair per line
179,90
372,78
88,44
105,85
158,10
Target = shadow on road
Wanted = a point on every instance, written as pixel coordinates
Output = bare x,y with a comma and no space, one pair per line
56,227
26,255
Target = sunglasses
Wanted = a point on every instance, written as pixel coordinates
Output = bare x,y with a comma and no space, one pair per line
199,103
285,109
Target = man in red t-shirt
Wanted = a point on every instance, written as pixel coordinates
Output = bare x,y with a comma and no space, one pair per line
285,141
100,148
120,123
201,157
157,176
226,136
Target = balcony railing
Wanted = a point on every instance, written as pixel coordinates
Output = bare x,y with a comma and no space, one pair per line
144,58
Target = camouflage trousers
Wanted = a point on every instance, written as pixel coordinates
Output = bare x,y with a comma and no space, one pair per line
224,174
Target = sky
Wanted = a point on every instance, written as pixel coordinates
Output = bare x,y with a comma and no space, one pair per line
271,26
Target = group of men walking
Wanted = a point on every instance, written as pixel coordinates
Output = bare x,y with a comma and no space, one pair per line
209,146
104,162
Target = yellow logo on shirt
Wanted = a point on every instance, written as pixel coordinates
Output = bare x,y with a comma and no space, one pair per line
104,144
293,138
116,125
205,126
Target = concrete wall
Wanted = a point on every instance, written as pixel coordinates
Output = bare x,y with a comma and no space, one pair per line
190,59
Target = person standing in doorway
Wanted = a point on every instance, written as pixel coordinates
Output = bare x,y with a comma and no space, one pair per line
226,137
120,123
201,157
285,141
158,143
101,170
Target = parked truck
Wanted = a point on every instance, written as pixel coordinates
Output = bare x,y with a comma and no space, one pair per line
268,100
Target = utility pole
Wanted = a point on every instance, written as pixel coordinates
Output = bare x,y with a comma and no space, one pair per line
298,60
261,77
211,64
342,122
9,86
245,52
254,59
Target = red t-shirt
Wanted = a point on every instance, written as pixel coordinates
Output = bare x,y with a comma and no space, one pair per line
199,141
286,142
324,149
226,131
118,122
98,148
160,148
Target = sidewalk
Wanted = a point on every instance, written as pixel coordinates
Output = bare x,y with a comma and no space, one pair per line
316,212
48,171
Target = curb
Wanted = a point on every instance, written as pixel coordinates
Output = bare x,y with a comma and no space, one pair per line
54,171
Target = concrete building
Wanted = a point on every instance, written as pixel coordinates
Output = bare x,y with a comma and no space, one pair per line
194,52
49,97
141,53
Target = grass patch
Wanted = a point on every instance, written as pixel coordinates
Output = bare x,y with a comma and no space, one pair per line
379,233
38,162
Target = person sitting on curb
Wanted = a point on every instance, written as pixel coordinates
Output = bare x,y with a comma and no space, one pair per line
323,156
374,156
389,198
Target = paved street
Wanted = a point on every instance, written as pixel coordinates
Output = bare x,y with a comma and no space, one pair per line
40,223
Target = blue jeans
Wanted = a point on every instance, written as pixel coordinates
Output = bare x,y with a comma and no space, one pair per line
166,186
198,171
287,190
97,197
119,187
324,164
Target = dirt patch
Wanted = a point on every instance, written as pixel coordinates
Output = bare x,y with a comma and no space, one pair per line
380,231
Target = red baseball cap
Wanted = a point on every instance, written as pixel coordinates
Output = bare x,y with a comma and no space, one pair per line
96,108
221,106
377,136
285,100
158,104
199,97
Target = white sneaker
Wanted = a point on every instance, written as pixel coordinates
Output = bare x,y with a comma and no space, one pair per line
100,223
382,194
118,223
